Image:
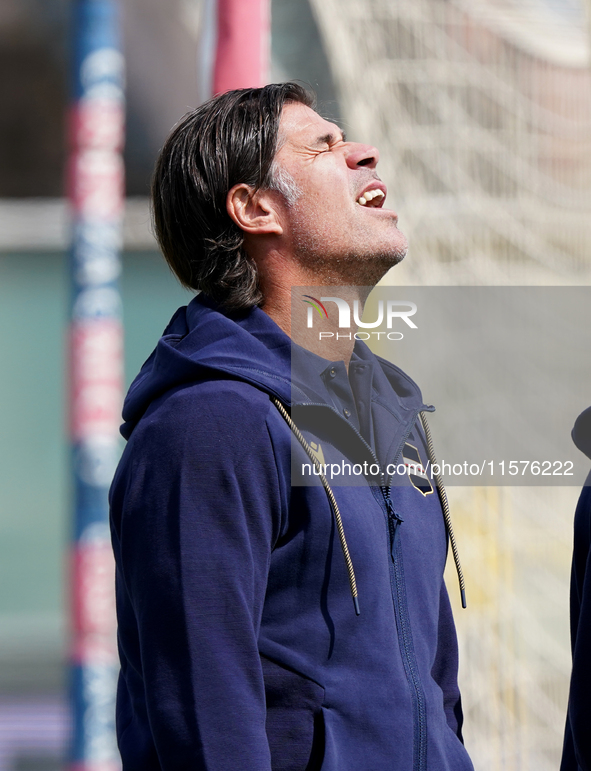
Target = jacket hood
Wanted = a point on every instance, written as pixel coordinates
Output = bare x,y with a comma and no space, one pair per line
199,341
581,433
203,342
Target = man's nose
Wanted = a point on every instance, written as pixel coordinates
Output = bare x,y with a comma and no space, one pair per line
362,155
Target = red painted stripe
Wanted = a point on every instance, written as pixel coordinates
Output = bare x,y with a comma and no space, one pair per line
242,55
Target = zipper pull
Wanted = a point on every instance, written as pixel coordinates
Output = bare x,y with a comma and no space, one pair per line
391,513
394,520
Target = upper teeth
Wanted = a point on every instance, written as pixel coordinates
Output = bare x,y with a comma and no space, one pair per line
369,196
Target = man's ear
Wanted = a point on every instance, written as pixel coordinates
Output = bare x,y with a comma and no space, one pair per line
254,212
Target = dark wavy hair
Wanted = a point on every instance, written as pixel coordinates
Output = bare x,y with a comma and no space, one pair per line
230,139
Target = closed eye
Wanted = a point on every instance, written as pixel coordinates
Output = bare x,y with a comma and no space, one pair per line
330,140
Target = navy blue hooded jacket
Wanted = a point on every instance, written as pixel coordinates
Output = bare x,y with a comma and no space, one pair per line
576,754
239,643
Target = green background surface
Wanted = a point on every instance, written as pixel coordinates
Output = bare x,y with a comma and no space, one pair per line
35,511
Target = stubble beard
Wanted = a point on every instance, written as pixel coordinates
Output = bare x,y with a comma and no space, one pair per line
354,268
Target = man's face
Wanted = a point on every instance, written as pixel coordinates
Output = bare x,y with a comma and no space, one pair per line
338,226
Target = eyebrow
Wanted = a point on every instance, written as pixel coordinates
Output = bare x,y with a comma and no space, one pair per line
329,138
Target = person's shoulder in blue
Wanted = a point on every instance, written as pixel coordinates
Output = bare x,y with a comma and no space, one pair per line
280,590
576,754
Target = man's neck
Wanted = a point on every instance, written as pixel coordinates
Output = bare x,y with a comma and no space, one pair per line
334,342
284,281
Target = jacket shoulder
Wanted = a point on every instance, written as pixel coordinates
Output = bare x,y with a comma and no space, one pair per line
209,441
208,406
216,426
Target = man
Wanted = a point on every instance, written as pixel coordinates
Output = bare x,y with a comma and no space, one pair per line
241,648
576,755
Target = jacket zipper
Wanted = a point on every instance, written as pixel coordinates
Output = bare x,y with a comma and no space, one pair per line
404,633
405,641
399,592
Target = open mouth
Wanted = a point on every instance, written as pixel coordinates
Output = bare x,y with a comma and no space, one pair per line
372,198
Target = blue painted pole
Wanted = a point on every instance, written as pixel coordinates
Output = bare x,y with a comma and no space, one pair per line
96,193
